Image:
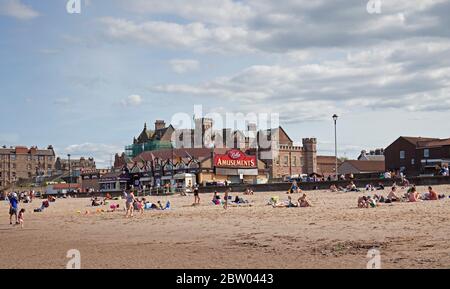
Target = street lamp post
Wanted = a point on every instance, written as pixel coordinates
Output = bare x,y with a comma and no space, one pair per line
335,118
70,173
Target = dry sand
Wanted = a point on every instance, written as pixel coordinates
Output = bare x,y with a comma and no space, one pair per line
333,234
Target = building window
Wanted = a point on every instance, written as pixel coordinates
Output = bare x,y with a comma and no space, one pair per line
294,161
402,155
13,157
277,161
286,161
14,166
426,153
29,158
413,161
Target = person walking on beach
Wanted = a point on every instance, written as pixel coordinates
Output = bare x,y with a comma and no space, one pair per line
129,204
13,207
227,192
196,196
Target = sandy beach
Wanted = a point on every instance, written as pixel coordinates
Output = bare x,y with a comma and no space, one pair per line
332,234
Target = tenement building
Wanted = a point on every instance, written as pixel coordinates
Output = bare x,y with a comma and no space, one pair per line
22,163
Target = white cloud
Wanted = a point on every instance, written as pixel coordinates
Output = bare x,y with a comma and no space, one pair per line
184,65
196,35
132,100
207,11
405,75
18,10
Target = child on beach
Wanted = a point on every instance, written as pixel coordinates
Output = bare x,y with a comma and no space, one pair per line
20,217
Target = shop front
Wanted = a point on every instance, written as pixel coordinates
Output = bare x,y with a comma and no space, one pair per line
236,167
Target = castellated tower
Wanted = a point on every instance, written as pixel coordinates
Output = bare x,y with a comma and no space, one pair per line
310,155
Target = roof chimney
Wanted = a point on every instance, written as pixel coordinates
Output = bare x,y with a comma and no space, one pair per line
160,124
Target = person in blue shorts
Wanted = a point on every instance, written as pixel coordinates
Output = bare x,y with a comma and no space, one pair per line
13,207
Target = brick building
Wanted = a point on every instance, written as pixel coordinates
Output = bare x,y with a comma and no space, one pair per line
284,158
76,165
357,167
273,146
326,165
417,155
22,163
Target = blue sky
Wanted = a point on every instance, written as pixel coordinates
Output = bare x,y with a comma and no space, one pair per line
87,82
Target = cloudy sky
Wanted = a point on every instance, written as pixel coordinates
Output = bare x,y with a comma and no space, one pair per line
87,82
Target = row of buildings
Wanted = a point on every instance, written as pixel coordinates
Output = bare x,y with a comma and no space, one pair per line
33,165
412,156
217,156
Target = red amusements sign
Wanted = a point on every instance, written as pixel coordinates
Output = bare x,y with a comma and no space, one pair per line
234,159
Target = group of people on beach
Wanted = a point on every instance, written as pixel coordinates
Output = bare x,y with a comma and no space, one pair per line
412,195
132,204
14,210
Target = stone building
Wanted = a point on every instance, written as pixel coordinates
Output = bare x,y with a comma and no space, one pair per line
274,147
22,163
76,165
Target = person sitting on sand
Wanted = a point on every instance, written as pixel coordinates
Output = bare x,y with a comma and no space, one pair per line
413,195
392,196
431,195
95,202
248,191
362,202
113,208
351,187
216,198
333,188
304,202
370,187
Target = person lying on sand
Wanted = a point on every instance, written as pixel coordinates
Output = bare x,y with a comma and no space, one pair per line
216,198
367,202
239,200
286,204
